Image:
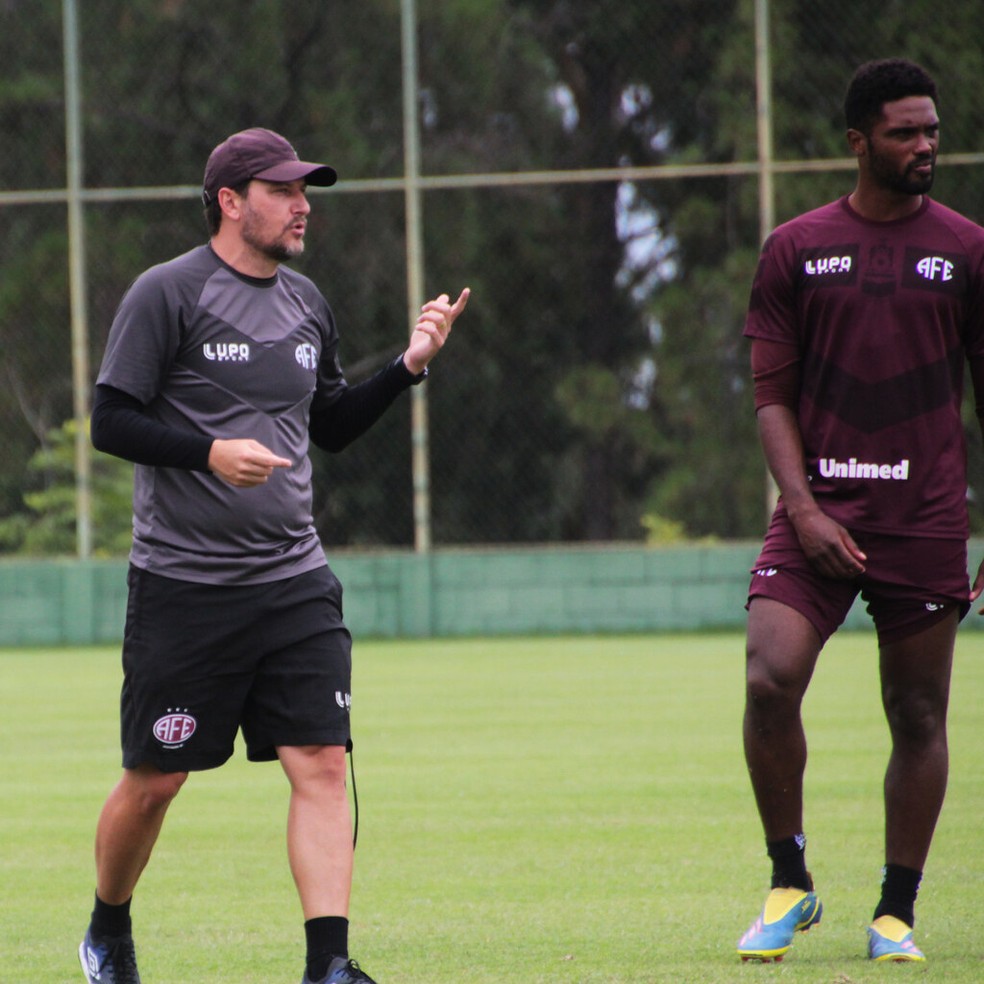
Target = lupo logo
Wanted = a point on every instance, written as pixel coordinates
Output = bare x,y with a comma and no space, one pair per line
226,351
829,266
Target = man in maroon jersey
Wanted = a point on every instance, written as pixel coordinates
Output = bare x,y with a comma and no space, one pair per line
862,316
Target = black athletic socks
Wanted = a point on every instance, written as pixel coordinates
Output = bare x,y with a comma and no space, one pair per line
789,863
110,920
900,885
327,937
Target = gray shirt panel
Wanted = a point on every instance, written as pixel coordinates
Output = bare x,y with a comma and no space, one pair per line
208,350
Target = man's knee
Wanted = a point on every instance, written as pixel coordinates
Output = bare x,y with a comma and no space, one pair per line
916,718
775,680
152,789
312,766
781,651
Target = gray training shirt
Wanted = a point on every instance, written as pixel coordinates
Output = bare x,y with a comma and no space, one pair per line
210,351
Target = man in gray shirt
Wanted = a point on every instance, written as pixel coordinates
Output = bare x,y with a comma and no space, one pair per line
220,369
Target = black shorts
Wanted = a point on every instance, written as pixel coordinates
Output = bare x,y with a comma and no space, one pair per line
909,582
201,661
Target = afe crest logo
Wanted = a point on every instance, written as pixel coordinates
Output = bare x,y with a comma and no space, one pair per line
175,727
306,355
935,268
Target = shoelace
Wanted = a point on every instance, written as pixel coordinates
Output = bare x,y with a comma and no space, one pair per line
355,975
123,957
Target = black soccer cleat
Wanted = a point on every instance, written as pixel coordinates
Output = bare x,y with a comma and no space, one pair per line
109,961
342,971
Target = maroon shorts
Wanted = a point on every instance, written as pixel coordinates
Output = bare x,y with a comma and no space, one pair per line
909,582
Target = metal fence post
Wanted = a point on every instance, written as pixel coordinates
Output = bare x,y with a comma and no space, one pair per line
77,282
420,460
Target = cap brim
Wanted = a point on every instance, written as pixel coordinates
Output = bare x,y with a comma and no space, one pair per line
314,174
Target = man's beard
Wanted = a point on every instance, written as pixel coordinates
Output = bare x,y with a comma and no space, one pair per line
278,249
908,182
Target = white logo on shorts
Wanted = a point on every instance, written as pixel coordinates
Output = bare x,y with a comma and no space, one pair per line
175,727
344,701
766,572
932,606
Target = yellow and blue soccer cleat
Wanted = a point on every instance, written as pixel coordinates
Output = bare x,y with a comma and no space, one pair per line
891,939
787,911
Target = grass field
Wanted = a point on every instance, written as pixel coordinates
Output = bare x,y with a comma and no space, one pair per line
562,810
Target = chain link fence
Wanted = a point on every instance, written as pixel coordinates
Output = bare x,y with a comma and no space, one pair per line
601,174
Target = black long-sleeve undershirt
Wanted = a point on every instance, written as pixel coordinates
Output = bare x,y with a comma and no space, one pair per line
333,426
120,425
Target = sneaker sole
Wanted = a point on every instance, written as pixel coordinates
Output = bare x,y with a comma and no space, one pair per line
764,956
775,956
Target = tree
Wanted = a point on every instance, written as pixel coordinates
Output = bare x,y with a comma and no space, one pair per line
598,385
48,525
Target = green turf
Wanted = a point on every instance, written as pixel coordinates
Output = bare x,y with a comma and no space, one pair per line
564,811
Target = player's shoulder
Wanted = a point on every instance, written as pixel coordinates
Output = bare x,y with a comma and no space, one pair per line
820,228
817,223
178,274
199,259
297,280
942,230
307,290
809,228
955,222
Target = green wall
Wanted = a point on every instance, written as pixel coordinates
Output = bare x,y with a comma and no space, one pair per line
445,593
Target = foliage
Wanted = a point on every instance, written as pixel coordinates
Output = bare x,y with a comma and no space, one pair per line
48,526
599,375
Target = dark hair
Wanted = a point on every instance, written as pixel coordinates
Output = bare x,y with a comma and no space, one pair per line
213,212
878,82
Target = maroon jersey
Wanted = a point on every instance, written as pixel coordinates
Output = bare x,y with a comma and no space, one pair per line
883,316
